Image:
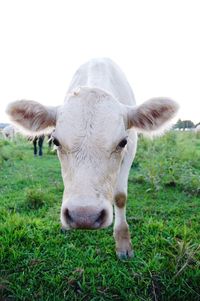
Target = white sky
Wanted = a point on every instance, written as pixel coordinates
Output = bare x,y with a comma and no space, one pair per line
156,43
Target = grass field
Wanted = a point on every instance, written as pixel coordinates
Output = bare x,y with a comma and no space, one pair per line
38,262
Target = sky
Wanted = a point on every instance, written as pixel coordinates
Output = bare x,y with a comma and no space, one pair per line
156,43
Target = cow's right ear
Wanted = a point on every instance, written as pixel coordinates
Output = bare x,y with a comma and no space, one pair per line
32,116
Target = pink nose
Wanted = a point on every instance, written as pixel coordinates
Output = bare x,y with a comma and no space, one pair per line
84,218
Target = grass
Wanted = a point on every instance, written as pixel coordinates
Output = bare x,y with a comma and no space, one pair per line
39,262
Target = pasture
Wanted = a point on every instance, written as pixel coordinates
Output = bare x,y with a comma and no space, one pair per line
39,262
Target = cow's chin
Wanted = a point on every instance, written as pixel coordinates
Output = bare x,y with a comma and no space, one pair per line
76,215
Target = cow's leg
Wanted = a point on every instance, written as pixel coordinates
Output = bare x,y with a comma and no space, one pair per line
40,143
121,228
35,146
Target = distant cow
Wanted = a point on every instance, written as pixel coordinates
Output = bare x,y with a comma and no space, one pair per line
9,132
96,138
37,145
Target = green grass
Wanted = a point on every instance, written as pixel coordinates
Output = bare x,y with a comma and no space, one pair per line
38,262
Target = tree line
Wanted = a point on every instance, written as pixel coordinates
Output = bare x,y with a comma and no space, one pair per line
185,124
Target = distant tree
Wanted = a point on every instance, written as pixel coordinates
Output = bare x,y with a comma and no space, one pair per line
178,125
188,124
184,124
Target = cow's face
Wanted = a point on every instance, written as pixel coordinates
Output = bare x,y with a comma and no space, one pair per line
91,134
91,140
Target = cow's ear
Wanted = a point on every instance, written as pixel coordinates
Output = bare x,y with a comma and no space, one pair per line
32,116
152,115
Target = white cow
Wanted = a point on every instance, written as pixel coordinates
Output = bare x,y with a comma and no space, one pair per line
96,138
8,132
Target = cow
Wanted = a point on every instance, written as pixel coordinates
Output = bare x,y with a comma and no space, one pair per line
9,132
95,132
38,141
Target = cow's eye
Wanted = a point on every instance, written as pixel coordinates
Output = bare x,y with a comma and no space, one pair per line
122,143
55,141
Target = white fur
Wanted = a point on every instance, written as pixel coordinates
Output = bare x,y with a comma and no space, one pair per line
197,129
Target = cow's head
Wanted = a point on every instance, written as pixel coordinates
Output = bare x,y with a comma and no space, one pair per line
91,135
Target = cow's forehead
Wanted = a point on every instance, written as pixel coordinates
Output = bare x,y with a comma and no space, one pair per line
92,114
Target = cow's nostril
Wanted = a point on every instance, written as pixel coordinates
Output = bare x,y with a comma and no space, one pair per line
67,216
101,218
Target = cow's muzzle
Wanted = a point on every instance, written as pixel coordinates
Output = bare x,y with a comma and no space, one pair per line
84,218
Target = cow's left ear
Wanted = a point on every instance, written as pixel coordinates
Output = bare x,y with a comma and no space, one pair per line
152,115
32,116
